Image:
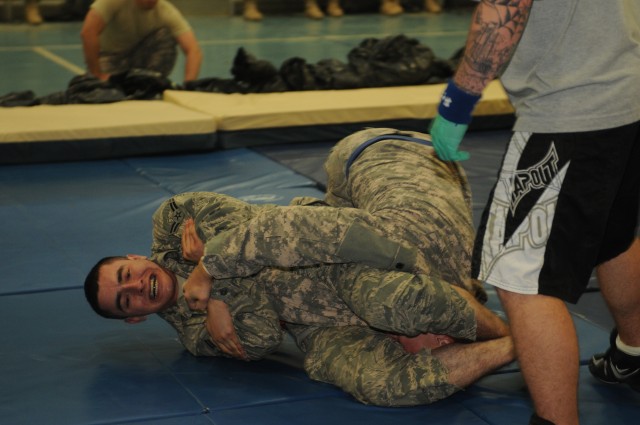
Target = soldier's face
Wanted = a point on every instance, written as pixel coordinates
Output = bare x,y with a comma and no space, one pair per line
135,286
147,4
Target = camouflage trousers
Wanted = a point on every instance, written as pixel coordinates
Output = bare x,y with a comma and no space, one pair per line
156,52
417,199
374,368
414,198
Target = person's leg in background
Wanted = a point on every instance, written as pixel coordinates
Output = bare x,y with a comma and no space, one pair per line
334,9
391,7
433,6
312,9
250,11
32,12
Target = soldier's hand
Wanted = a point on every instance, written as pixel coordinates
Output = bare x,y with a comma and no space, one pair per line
192,245
197,288
221,329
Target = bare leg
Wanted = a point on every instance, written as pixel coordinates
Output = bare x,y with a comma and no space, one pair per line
547,348
32,12
432,6
469,362
620,284
251,11
391,7
312,10
376,370
334,9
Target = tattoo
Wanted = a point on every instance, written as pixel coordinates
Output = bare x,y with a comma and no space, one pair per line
495,32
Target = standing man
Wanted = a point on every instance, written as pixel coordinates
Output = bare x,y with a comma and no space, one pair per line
567,196
119,35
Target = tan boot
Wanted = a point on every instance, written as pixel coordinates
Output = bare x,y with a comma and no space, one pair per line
32,12
391,7
433,6
334,9
312,10
251,12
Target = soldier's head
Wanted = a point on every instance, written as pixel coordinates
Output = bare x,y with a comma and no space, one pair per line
130,288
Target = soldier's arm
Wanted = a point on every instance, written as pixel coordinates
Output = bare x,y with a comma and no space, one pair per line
253,317
298,236
213,212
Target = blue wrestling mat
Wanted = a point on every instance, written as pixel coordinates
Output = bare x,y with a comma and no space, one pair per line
61,364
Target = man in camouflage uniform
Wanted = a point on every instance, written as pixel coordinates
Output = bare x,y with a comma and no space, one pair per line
318,269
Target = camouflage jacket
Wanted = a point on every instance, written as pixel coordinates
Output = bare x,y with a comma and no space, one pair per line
311,268
278,272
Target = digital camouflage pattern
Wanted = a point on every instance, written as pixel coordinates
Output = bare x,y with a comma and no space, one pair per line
296,264
156,52
297,295
413,196
373,368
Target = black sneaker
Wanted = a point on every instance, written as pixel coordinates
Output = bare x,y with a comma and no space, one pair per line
615,367
537,420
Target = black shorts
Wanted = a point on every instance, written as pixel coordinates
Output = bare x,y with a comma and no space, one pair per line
563,204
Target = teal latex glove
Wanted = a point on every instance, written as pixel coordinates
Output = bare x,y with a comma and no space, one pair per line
446,137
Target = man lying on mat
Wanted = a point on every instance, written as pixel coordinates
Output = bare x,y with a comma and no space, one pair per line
384,257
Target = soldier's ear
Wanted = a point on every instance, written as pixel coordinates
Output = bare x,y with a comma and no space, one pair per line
136,257
135,319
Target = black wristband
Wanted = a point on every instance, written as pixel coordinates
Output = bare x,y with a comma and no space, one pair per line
457,105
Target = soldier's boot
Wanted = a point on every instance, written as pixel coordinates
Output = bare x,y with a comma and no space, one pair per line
312,10
251,11
334,9
32,12
391,7
433,6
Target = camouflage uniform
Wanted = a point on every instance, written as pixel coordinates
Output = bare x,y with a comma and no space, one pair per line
136,38
156,52
313,267
295,236
414,198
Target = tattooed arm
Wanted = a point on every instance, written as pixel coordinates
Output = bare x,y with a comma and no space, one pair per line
495,31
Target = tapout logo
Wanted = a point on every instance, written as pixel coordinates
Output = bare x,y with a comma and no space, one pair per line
538,176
